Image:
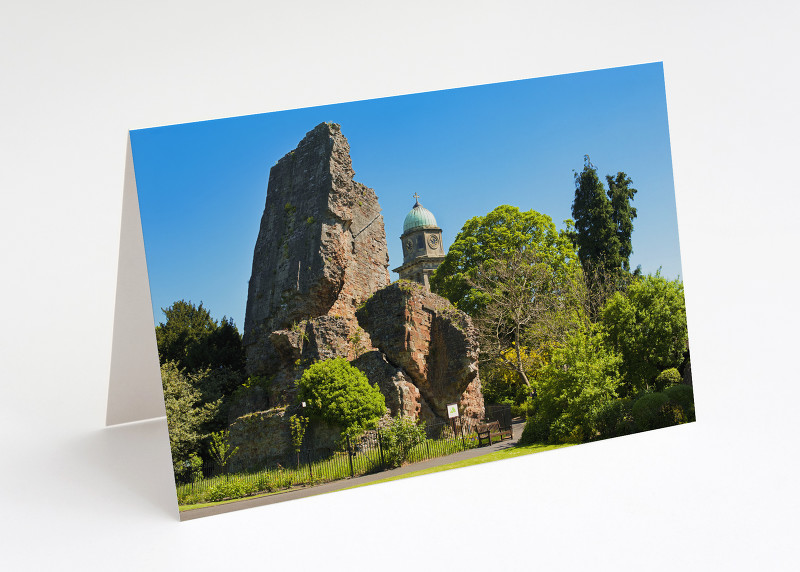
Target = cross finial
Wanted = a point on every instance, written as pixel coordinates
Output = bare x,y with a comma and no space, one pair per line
416,196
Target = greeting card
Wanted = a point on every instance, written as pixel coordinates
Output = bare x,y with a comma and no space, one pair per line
373,290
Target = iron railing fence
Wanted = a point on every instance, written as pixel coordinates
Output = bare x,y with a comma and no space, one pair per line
315,465
500,413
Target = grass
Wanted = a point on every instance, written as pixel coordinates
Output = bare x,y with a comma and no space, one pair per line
332,469
248,485
184,507
488,458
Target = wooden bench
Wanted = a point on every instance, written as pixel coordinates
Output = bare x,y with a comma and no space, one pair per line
488,431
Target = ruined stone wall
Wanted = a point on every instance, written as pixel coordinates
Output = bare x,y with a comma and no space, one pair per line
264,438
434,344
321,247
320,289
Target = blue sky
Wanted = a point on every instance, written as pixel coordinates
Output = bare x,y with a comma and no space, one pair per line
202,186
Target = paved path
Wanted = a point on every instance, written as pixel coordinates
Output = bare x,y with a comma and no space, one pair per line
347,483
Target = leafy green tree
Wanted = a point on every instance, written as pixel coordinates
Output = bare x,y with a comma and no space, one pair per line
603,222
218,383
211,351
194,340
528,305
224,346
185,414
647,326
487,239
185,331
341,395
297,426
220,448
503,384
580,380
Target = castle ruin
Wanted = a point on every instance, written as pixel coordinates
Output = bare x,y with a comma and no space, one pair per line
320,289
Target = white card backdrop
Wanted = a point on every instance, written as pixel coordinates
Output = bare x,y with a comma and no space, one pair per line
716,494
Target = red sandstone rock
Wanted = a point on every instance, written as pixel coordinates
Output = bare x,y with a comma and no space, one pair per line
321,254
321,249
435,344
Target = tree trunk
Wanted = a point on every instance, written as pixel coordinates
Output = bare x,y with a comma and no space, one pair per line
519,358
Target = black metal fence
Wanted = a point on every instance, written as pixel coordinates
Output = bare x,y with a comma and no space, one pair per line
370,453
500,413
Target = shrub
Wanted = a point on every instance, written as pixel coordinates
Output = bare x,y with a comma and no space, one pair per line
397,440
614,419
673,406
185,416
682,396
652,411
264,484
283,480
668,378
196,468
233,489
536,430
190,497
339,394
580,379
647,326
523,410
563,430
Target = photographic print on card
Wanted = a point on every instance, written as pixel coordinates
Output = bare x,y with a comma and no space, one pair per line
348,291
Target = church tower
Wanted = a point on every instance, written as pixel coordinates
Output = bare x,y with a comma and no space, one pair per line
422,245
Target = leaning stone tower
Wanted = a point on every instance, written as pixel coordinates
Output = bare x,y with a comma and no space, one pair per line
422,245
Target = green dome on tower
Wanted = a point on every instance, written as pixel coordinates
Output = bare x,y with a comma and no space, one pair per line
418,217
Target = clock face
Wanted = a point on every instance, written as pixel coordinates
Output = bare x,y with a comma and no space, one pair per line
409,244
433,241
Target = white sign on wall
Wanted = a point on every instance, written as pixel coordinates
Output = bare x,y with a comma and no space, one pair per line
452,411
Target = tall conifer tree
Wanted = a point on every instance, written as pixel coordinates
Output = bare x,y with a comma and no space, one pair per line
603,221
621,194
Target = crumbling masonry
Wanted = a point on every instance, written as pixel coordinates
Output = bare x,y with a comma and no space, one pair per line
320,289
